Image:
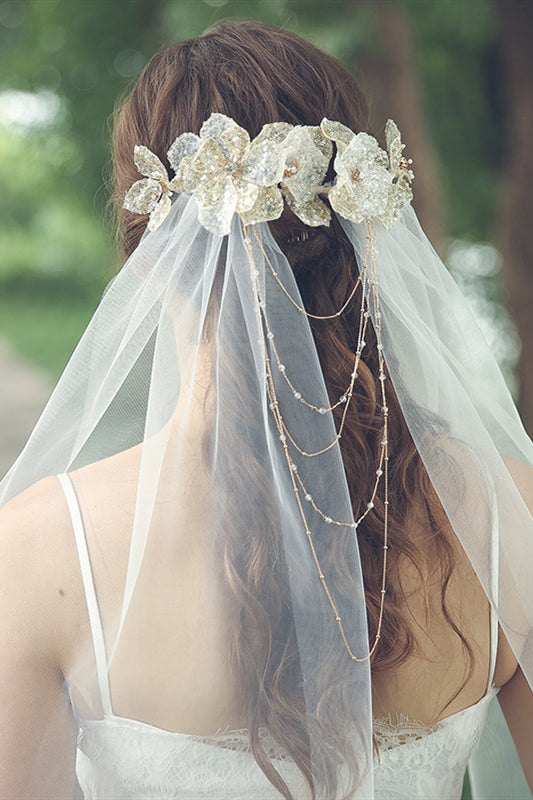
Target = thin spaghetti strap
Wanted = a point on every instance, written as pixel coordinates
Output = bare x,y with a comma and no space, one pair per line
494,572
95,621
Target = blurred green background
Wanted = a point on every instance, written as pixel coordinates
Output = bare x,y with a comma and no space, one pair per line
456,76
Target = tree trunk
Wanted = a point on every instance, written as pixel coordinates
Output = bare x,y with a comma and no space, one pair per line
515,234
390,76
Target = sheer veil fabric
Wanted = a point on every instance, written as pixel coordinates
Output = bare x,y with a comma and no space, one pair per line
163,420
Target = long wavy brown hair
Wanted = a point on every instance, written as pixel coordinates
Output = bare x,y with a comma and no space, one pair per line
257,74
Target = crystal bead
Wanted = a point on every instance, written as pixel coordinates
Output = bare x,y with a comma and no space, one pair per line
297,395
384,442
282,437
281,367
328,520
370,505
353,524
321,410
343,398
308,498
270,335
379,473
294,467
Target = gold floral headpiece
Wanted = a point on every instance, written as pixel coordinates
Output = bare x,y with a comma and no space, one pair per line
229,174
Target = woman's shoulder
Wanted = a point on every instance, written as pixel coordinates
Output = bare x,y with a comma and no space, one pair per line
36,524
36,598
33,524
40,578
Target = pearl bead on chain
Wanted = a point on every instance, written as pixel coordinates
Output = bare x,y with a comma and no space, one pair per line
267,342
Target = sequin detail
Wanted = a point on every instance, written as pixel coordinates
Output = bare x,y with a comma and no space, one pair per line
307,155
151,194
229,174
371,183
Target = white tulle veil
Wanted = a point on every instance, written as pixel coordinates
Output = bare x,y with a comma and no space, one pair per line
171,387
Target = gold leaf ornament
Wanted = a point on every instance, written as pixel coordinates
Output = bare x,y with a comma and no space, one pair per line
400,194
151,194
307,155
228,174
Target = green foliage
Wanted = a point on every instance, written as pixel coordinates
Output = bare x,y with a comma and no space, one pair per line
457,48
44,329
48,233
87,52
188,18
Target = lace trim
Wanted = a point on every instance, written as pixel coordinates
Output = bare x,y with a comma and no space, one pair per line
234,739
238,741
398,729
129,759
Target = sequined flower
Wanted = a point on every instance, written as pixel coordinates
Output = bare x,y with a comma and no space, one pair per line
307,155
151,194
227,173
400,193
363,182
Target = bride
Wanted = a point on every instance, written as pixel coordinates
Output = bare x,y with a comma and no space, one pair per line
272,536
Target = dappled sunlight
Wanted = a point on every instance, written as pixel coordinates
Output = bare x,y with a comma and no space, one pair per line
28,111
476,267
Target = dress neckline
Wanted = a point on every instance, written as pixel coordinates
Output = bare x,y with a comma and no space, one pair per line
402,720
242,733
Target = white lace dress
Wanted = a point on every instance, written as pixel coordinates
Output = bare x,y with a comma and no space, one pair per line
123,759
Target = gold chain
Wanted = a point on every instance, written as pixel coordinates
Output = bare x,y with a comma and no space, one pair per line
284,434
293,301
